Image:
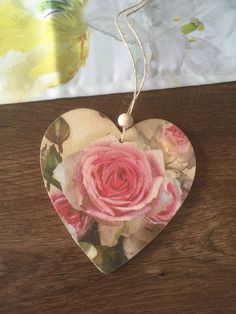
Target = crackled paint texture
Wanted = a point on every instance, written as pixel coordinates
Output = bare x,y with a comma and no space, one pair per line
114,198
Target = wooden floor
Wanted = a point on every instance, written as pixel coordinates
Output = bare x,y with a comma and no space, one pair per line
189,268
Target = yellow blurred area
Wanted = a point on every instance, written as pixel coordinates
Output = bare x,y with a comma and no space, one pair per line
56,43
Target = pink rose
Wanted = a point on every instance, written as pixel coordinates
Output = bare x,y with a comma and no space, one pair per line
171,187
113,181
78,220
178,151
180,142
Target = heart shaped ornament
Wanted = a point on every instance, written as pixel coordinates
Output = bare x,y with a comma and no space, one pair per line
114,198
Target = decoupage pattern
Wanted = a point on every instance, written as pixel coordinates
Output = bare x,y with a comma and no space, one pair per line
114,198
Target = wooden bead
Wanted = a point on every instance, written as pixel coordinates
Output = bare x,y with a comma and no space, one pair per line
125,120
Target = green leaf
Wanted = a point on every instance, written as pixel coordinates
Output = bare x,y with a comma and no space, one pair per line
52,181
112,257
195,24
55,4
106,258
61,6
50,158
58,132
188,28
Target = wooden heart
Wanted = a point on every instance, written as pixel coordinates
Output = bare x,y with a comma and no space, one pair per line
114,198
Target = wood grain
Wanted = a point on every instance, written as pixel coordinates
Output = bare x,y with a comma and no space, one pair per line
189,268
